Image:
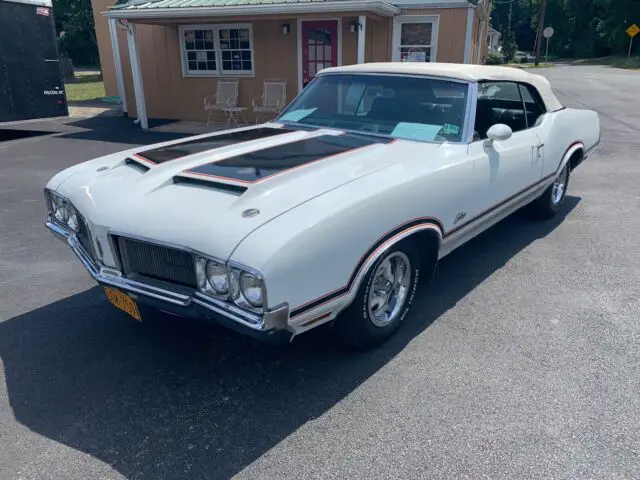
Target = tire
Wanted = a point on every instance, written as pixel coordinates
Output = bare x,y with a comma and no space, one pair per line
366,323
548,204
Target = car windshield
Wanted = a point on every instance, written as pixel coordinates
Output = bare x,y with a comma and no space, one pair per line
415,108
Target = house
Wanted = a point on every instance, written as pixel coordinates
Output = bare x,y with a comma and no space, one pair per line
162,57
493,39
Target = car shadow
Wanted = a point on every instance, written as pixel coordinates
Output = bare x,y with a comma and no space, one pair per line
172,398
119,129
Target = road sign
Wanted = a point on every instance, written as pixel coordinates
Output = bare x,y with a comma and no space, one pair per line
633,30
547,33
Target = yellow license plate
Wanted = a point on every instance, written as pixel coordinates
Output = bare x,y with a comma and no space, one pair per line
123,302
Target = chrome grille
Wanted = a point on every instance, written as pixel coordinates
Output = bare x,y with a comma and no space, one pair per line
156,261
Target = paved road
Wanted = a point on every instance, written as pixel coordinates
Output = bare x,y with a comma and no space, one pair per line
522,361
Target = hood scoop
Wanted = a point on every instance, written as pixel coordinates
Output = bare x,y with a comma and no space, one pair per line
137,165
210,184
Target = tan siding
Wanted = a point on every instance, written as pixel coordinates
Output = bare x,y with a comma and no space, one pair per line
349,42
104,46
170,95
451,31
174,69
378,47
369,40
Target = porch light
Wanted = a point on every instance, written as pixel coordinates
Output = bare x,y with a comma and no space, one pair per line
286,28
355,25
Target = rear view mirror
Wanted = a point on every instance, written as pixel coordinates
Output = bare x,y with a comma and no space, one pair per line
499,131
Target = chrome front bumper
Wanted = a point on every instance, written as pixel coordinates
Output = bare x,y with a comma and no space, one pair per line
270,322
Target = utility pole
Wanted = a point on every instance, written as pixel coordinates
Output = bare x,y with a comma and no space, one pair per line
510,14
543,9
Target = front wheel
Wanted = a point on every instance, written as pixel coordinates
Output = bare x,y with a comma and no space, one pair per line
548,204
384,298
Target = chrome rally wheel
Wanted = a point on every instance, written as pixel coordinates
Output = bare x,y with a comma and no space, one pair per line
389,290
548,204
559,186
384,297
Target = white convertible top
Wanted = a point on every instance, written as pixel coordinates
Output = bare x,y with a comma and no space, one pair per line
459,71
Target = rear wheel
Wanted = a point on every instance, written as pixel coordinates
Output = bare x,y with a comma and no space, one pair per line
384,298
548,204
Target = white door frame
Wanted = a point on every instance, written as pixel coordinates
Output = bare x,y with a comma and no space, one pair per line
397,23
299,35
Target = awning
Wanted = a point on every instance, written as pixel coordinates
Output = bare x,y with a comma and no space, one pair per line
134,9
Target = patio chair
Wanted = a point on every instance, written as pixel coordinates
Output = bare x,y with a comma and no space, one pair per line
274,98
225,99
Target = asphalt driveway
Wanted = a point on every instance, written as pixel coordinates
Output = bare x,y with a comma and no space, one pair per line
521,361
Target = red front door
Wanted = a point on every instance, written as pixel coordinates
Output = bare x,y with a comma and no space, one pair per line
319,47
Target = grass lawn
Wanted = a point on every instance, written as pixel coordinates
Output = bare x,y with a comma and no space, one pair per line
530,65
87,87
632,63
615,61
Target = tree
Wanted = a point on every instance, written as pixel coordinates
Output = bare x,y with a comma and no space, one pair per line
509,45
75,28
583,28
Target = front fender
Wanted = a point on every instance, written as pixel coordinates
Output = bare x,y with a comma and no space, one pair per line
319,251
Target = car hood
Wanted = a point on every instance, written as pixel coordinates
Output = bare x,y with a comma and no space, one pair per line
210,200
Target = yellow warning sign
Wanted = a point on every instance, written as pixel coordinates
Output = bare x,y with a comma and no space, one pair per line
633,30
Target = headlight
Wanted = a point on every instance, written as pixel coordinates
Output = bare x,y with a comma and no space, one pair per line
218,277
64,212
59,208
251,288
212,277
247,289
234,283
73,219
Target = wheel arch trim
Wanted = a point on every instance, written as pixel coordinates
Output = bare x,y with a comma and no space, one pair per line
573,148
347,292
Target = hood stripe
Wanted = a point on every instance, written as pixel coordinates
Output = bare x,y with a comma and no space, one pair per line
254,166
191,147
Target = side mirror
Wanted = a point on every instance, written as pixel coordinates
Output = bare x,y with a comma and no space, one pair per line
499,131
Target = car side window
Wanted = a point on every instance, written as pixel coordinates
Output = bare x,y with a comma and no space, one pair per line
499,102
532,104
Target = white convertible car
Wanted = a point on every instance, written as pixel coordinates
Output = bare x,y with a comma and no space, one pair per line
333,211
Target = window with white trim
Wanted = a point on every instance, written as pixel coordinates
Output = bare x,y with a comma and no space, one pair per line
415,38
209,50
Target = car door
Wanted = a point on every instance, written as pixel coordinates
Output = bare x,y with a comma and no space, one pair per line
504,168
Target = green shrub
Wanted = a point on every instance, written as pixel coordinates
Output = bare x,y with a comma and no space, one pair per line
632,63
494,58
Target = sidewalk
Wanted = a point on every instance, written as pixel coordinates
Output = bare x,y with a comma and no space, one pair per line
88,111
